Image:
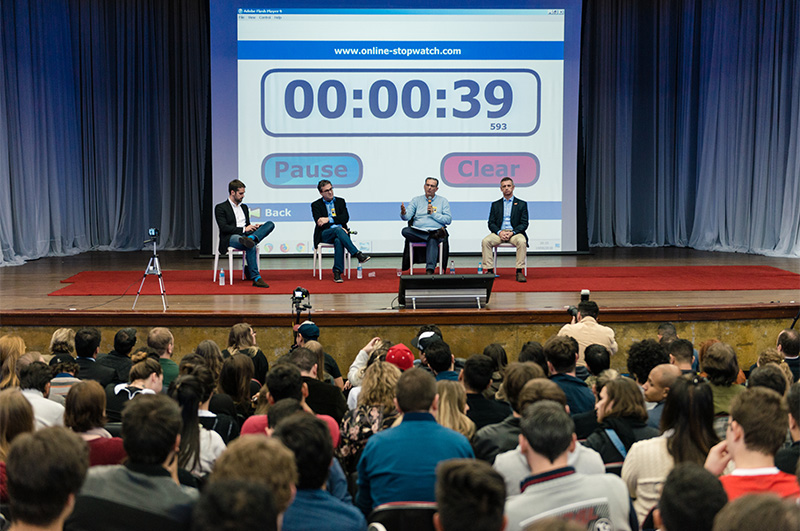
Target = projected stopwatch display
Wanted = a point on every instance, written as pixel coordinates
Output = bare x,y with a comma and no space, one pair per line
400,102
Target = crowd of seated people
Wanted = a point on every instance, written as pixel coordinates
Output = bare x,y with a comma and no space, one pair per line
452,440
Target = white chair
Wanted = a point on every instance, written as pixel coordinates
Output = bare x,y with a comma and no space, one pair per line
509,244
424,245
317,265
231,251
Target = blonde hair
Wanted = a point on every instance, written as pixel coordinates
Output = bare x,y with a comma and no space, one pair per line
63,340
16,417
11,349
378,386
316,348
452,403
773,355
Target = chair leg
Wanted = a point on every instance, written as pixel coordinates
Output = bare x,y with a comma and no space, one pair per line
410,259
230,267
216,265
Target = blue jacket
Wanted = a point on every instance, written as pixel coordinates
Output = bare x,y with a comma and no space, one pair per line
399,464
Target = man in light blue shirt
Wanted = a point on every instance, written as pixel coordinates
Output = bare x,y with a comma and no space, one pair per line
430,214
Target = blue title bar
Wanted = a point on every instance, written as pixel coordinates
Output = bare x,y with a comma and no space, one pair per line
398,50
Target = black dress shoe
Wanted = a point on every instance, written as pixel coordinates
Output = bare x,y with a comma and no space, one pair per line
337,276
429,271
489,271
248,243
260,283
361,257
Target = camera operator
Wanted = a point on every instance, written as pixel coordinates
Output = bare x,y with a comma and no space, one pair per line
585,329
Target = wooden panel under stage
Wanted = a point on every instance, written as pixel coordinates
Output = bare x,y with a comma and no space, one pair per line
24,289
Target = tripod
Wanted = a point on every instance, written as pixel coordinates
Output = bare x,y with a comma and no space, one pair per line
153,268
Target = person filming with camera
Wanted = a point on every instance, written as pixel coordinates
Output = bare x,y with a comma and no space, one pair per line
585,329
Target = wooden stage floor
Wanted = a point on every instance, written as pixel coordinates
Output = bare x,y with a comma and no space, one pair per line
24,289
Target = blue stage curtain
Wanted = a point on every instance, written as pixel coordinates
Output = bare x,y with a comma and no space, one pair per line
691,122
103,124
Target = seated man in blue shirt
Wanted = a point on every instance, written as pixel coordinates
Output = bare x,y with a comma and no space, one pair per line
508,220
313,507
430,214
331,217
392,468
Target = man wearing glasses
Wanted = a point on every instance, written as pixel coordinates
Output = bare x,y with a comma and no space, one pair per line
331,217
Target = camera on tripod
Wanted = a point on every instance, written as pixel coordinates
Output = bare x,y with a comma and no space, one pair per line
573,310
301,299
153,233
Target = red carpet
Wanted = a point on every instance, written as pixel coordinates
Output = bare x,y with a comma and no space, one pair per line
540,279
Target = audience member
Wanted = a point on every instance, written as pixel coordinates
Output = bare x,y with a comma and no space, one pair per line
789,345
497,354
585,329
34,382
29,357
441,361
199,447
401,357
119,359
667,333
375,412
513,465
759,511
598,359
562,355
285,381
554,488
453,407
690,500
622,417
223,423
757,429
146,377
426,335
11,348
643,356
236,381
256,459
469,495
773,356
503,436
161,340
144,493
787,458
87,346
63,379
476,378
62,346
323,398
656,389
720,365
400,464
232,505
242,339
687,436
314,507
681,354
356,371
16,417
770,376
533,351
85,415
45,472
308,331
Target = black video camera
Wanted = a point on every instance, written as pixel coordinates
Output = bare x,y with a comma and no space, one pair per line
573,310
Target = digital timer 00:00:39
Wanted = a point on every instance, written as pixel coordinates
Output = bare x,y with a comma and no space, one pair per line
316,104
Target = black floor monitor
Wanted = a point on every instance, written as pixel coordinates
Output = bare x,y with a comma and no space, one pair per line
445,291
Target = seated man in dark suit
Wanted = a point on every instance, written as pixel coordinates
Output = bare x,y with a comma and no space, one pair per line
235,230
508,220
330,219
87,345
